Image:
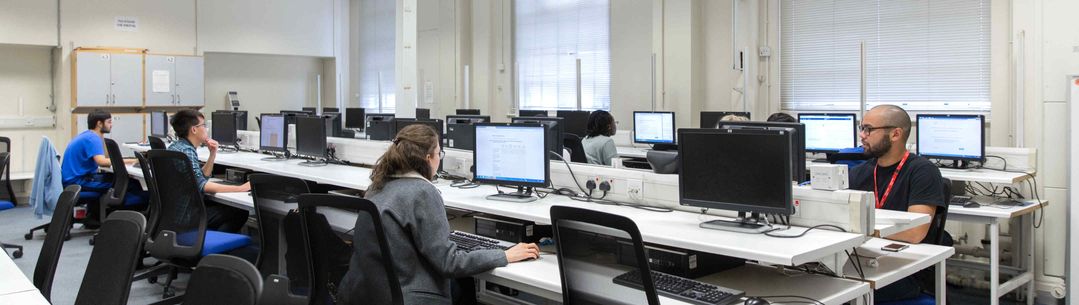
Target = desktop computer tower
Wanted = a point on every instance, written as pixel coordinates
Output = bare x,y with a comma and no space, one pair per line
680,262
380,130
509,229
461,136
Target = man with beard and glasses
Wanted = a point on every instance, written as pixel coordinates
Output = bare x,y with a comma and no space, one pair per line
899,180
85,154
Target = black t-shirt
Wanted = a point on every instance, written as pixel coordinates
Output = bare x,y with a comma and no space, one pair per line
919,182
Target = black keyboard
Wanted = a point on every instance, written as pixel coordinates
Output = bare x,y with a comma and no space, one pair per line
959,200
682,289
469,242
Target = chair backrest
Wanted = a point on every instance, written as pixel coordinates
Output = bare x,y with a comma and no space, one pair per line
5,171
940,218
157,143
181,225
368,237
276,291
5,144
115,195
224,279
576,149
589,244
274,196
58,229
153,209
117,249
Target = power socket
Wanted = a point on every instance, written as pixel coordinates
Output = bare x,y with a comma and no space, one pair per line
635,189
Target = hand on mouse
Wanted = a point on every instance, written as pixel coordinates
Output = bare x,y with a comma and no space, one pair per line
522,251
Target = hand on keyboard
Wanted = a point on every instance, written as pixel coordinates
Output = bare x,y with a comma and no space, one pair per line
522,252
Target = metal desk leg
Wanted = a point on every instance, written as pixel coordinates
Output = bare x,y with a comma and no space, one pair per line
1027,223
994,263
942,283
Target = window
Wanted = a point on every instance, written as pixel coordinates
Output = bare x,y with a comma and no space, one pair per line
377,38
924,55
550,37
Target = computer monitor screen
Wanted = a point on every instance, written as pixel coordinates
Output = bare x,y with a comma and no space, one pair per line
951,136
653,127
532,113
468,112
710,118
379,116
273,135
310,109
467,119
829,132
402,123
311,136
797,130
554,130
224,127
333,127
290,115
354,118
241,119
159,124
745,170
330,109
576,121
423,113
513,154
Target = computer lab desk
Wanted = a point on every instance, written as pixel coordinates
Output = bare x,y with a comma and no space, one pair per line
15,287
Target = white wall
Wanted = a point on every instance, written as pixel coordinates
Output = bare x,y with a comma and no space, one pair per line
24,91
631,59
29,22
264,83
303,28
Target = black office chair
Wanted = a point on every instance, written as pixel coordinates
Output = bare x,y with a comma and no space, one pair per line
157,143
116,197
224,279
332,261
112,263
182,238
937,235
576,149
45,269
589,243
5,172
276,290
5,204
274,196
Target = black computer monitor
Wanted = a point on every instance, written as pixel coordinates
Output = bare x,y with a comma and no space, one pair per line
333,127
460,132
159,124
311,138
468,112
310,109
224,127
576,121
423,113
744,170
273,134
512,154
379,126
354,118
435,124
241,119
653,127
798,138
554,130
290,115
531,113
330,109
829,132
958,137
709,118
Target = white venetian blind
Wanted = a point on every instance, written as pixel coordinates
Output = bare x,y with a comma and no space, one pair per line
921,54
549,37
375,54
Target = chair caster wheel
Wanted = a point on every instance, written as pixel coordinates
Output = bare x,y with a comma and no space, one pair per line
91,241
16,254
28,236
152,280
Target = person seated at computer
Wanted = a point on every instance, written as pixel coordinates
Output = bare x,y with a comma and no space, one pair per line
85,154
733,118
415,224
899,180
782,117
191,132
598,145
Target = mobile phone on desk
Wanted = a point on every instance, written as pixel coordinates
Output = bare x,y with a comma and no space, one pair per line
894,247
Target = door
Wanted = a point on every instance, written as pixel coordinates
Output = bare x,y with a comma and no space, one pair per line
189,81
92,79
159,78
126,76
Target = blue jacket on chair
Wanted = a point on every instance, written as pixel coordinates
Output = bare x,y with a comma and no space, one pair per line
47,184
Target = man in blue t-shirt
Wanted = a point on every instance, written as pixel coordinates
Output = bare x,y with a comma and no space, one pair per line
85,154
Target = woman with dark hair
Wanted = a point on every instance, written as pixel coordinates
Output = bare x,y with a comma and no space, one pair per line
598,145
415,224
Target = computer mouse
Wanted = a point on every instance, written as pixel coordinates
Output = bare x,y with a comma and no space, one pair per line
972,204
756,301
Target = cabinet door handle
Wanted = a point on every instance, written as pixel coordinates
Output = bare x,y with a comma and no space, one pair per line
106,98
179,99
114,99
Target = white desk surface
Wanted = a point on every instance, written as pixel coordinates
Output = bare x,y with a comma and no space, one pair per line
12,280
974,175
889,222
632,152
995,211
893,266
32,297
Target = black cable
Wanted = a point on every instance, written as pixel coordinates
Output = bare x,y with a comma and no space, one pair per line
814,301
1038,198
857,262
768,233
1001,159
570,170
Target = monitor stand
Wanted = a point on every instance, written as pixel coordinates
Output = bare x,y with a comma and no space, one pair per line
276,157
958,164
313,163
228,149
522,195
754,224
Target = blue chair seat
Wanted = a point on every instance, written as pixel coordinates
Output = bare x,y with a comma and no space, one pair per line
135,199
923,299
89,195
220,242
4,205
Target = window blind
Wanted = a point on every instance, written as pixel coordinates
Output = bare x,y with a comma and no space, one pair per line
549,38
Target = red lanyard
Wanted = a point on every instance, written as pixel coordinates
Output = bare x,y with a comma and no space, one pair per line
881,200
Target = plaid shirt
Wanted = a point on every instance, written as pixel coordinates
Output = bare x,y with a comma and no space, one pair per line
185,147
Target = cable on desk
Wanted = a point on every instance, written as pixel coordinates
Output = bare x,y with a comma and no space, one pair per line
1001,159
1034,191
812,300
857,262
768,233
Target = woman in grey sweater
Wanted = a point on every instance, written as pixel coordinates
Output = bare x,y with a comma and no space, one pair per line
415,224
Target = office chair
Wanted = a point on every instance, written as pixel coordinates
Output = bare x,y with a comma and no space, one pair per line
182,238
576,149
332,261
589,243
85,198
276,290
936,236
112,263
45,270
279,245
117,196
5,171
224,279
157,143
5,204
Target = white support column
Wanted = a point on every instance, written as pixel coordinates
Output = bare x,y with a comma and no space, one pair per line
406,64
